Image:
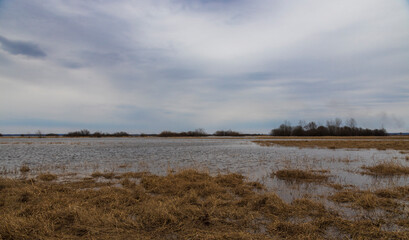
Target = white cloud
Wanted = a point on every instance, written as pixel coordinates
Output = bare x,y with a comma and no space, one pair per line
199,64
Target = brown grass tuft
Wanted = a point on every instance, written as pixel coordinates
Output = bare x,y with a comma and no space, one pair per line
134,174
109,175
365,200
300,175
386,169
47,177
24,169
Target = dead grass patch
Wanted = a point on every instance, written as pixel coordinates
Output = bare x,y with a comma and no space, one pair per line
183,205
134,174
341,143
108,175
386,169
24,169
47,177
301,175
383,199
336,186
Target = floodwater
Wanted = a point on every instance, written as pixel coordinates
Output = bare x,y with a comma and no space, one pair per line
75,158
157,155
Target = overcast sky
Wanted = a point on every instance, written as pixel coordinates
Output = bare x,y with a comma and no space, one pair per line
148,66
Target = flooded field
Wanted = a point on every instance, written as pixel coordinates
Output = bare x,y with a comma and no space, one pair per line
356,183
84,156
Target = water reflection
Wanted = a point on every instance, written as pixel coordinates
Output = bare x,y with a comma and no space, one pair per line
84,156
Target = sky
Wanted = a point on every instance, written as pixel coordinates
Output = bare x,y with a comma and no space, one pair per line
179,65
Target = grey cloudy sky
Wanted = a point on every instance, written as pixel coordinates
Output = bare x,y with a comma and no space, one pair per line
147,66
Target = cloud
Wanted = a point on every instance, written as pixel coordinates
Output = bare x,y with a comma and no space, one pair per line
21,48
178,64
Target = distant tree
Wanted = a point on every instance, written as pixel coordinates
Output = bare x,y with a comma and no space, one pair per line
1,135
200,132
227,133
338,122
82,133
167,134
121,134
284,130
350,123
302,123
333,128
52,135
39,134
298,131
97,134
311,126
321,131
197,133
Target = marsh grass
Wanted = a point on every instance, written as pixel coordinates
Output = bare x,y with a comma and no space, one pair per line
24,169
47,177
386,169
340,144
186,204
385,199
301,175
134,174
106,175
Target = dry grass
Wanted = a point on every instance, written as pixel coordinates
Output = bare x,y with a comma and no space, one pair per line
382,198
300,175
396,193
24,169
341,143
47,177
183,205
134,174
108,175
336,186
386,169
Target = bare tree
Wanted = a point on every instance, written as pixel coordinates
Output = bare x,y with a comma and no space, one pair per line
351,123
338,122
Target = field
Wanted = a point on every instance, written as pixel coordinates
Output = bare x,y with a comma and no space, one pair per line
354,143
300,198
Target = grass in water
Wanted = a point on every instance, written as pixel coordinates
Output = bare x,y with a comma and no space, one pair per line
109,175
383,198
47,177
184,205
300,175
386,169
341,143
24,169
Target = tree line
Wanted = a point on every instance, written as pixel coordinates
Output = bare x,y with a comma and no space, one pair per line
86,133
201,133
332,128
